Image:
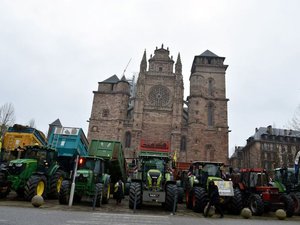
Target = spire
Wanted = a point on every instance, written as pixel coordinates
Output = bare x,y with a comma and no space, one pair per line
178,65
143,66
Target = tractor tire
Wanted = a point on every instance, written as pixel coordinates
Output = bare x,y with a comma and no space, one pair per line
200,199
4,186
64,192
296,199
55,184
256,205
98,192
180,194
171,195
36,185
106,193
288,204
235,204
135,191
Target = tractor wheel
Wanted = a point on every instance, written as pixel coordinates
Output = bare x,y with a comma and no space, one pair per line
180,194
55,184
4,188
64,192
236,202
256,204
106,193
200,199
171,195
36,185
296,199
135,192
288,204
98,191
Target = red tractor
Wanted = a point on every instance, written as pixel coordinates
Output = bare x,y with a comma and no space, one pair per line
259,195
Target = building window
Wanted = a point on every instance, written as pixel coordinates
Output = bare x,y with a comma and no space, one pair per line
127,139
183,144
210,87
94,129
105,113
210,114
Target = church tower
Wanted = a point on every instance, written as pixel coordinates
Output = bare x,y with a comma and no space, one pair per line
157,116
207,109
109,110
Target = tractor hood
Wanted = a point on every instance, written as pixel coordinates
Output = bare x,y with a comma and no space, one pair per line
84,175
21,161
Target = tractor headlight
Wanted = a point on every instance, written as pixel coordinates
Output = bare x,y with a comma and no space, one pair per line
196,181
18,164
85,175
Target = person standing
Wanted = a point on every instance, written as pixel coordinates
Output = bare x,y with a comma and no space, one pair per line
119,191
214,199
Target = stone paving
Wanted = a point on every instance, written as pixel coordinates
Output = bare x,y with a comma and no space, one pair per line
148,209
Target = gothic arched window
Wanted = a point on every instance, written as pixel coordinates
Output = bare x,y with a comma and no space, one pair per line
183,144
210,114
210,86
127,139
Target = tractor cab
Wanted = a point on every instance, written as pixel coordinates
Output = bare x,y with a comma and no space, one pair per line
90,169
43,156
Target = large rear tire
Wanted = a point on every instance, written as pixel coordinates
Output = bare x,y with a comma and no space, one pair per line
4,186
171,195
235,205
98,192
288,204
36,185
106,192
200,199
64,192
296,199
55,184
256,204
180,194
135,192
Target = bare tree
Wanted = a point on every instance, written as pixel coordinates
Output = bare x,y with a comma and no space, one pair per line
7,117
294,123
31,123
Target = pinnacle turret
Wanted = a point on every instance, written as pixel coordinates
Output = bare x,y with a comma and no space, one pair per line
143,66
178,65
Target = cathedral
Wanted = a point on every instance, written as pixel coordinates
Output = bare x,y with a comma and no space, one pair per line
151,112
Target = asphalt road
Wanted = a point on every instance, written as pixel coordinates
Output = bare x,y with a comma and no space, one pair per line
14,211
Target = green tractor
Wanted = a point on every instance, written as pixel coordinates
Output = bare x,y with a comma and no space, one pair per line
286,181
200,174
37,173
91,181
153,181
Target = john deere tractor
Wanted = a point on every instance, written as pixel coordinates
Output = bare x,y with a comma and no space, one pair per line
91,182
153,181
37,173
200,174
286,181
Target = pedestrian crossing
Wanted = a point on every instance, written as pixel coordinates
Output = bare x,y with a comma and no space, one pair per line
120,219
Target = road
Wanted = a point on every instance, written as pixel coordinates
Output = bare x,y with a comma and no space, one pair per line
10,215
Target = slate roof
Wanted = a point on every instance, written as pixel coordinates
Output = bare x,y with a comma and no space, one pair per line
275,131
208,53
56,123
113,79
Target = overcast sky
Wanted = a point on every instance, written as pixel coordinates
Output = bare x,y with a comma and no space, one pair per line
53,54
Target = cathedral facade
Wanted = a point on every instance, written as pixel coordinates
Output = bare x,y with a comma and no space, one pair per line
152,113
